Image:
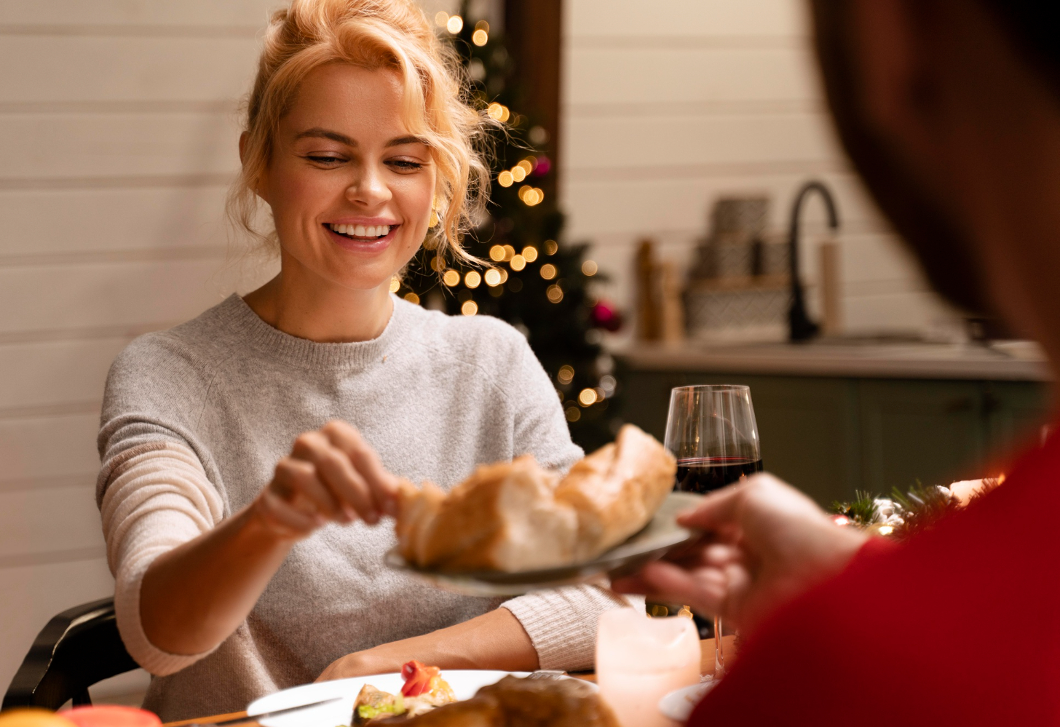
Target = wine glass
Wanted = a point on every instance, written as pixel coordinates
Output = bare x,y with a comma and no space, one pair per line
711,431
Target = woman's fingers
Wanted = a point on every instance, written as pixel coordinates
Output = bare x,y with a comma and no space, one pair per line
381,485
704,589
285,520
297,478
335,470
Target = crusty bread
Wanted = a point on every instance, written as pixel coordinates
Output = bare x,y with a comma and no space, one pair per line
517,516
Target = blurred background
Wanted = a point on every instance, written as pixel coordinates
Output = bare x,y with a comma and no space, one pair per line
678,135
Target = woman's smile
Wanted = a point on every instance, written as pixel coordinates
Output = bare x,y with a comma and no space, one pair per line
362,234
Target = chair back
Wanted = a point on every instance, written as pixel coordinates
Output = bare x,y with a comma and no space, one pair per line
79,647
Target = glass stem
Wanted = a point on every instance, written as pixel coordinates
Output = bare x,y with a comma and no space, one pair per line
719,655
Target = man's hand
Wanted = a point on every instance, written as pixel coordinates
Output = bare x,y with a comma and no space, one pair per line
766,544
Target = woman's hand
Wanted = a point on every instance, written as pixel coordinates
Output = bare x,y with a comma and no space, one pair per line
766,544
331,475
494,640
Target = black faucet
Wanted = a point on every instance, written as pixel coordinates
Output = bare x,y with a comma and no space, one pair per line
802,328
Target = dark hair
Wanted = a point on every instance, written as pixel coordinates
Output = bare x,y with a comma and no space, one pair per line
1032,25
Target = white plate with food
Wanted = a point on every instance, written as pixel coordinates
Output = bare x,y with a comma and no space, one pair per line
679,704
360,699
515,527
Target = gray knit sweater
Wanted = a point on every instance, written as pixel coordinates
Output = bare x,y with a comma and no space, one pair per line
194,421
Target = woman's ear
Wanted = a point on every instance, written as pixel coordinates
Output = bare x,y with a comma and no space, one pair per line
244,139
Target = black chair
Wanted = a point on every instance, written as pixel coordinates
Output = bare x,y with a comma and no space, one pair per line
79,647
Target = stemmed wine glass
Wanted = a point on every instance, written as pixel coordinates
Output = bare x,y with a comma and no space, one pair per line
711,431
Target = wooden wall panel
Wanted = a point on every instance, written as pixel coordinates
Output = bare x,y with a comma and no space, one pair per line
49,451
47,521
135,294
72,69
670,145
680,19
49,375
643,78
36,146
50,222
251,14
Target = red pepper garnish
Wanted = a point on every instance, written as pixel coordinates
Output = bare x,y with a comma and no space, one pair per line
418,678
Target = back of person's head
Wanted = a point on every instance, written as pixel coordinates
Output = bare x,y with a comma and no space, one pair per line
390,35
940,239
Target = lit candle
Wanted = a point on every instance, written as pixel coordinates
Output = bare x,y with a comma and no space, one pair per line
639,660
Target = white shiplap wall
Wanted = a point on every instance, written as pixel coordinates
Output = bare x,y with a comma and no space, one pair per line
671,103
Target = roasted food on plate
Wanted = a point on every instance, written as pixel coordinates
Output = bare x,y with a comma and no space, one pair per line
520,702
424,689
517,516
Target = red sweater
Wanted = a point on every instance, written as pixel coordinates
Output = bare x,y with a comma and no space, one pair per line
958,626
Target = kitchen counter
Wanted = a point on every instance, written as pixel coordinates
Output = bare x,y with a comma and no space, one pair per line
857,358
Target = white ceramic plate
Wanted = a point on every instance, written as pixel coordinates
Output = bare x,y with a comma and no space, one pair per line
464,683
658,537
678,704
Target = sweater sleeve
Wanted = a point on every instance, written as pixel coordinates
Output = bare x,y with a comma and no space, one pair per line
562,623
156,496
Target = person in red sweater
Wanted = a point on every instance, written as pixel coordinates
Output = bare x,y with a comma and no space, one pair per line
950,110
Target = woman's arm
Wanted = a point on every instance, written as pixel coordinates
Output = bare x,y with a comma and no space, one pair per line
494,640
195,595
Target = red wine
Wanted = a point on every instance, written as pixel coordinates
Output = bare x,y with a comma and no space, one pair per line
706,474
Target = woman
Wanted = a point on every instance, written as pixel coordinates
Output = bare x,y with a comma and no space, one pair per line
244,564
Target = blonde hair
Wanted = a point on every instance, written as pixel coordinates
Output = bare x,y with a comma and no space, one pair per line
372,34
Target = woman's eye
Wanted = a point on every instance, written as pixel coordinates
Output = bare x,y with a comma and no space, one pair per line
323,160
405,165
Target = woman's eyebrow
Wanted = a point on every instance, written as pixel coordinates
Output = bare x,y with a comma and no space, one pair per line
401,141
318,133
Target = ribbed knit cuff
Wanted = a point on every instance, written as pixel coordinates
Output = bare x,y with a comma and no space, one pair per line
127,610
562,623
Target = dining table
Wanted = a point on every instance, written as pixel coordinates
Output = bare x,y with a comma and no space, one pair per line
706,668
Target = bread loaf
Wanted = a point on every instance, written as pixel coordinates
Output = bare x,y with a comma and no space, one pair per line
517,516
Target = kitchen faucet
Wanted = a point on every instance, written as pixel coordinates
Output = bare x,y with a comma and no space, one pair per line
802,328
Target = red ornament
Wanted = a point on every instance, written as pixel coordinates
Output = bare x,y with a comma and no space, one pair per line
604,315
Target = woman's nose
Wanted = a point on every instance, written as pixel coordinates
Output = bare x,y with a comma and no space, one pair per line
369,188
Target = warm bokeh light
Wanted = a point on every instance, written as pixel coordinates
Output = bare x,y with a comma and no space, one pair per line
438,263
395,285
551,247
492,277
451,278
412,298
504,276
441,18
498,112
554,293
518,174
455,24
548,271
587,397
566,374
482,25
479,37
530,195
589,268
497,253
505,178
573,414
509,252
472,279
518,263
530,253
608,383
469,308
526,165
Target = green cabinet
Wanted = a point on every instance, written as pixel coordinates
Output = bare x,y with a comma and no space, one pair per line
830,436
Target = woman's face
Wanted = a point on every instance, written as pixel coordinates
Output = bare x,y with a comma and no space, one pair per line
350,187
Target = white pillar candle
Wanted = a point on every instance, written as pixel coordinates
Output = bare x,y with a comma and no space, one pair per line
639,660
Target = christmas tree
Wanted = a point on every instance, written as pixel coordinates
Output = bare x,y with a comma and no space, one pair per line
530,276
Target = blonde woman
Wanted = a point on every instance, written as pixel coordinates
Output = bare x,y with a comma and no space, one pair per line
251,454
